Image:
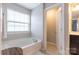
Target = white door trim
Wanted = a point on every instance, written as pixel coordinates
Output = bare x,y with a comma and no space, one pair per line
45,29
64,34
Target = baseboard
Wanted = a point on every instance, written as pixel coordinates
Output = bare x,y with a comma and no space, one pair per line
51,43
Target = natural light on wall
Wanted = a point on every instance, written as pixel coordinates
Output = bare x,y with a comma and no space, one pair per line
17,21
51,13
76,8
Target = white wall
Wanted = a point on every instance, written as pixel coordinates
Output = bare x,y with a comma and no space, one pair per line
0,27
64,30
47,5
37,22
17,7
51,25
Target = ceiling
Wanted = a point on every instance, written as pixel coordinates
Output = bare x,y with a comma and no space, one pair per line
29,5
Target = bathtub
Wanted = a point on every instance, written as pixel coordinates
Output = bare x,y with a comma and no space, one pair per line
28,45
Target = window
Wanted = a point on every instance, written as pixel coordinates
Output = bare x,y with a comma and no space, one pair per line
17,21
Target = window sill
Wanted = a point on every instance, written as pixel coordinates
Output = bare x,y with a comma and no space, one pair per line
19,32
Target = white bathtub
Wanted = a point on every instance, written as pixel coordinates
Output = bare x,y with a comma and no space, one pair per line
29,45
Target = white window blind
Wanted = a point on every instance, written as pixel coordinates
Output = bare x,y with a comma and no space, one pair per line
17,21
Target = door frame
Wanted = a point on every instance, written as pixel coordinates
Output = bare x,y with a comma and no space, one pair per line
64,47
45,26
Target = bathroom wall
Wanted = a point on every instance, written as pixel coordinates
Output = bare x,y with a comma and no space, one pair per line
17,7
37,22
51,26
0,27
14,35
47,5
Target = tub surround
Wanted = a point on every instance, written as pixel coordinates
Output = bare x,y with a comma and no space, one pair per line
28,45
31,49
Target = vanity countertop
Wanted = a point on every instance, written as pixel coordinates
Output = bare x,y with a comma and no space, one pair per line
74,33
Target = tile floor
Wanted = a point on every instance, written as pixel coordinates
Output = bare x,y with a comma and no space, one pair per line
39,53
52,49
